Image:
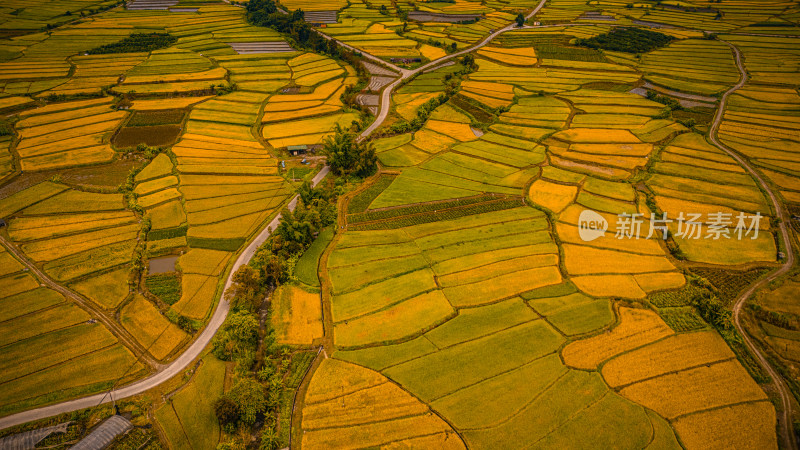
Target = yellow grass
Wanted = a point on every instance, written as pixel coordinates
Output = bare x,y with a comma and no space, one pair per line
671,354
443,441
203,261
583,260
383,402
8,264
609,286
552,196
569,233
14,284
323,124
107,290
48,250
651,282
167,103
322,92
406,104
637,327
487,269
298,114
749,425
291,106
459,131
40,227
61,106
334,378
197,295
398,321
512,56
432,52
613,149
594,135
296,316
502,286
349,406
211,75
499,90
697,389
492,102
374,434
150,328
431,141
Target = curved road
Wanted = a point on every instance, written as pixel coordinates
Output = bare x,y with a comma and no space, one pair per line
115,328
780,385
386,95
176,366
194,350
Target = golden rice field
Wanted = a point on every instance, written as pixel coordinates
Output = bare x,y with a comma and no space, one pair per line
461,305
34,320
297,316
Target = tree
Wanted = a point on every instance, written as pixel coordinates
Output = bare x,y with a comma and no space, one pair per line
226,410
244,289
269,439
238,337
348,156
520,20
250,398
468,61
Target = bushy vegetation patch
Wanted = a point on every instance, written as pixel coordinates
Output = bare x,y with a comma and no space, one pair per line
165,286
628,40
137,42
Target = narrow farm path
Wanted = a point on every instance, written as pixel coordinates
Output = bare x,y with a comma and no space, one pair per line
165,372
386,95
220,313
780,211
118,330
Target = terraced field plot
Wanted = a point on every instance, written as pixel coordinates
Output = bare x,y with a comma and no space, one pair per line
456,302
34,321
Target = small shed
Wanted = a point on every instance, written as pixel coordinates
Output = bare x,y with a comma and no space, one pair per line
297,149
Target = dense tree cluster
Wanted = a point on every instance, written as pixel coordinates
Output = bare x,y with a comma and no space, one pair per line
265,13
263,367
628,40
712,310
349,156
276,258
137,42
237,339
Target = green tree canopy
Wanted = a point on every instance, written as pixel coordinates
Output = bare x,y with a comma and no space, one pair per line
250,398
348,156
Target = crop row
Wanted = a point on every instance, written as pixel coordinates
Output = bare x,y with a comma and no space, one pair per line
417,209
445,214
361,202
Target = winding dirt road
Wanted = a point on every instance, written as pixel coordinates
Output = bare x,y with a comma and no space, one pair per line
221,312
115,328
175,367
780,211
386,95
204,338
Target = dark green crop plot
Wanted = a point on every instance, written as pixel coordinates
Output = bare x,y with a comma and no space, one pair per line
136,42
166,286
628,40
